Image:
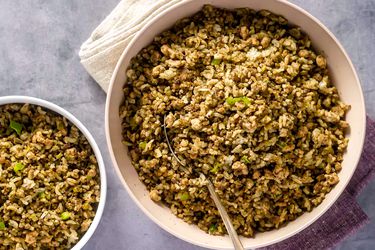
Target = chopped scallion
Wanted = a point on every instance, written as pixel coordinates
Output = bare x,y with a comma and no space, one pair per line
41,195
18,167
232,100
59,155
212,228
184,196
244,159
215,61
65,215
216,168
16,127
142,145
33,217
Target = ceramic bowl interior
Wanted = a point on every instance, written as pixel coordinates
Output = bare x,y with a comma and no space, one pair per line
342,74
103,179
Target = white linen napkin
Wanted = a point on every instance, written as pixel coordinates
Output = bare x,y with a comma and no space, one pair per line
100,53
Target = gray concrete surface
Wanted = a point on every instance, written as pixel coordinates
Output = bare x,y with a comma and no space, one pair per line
39,43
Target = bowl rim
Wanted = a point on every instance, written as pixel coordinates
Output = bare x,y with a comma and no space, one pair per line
112,154
103,178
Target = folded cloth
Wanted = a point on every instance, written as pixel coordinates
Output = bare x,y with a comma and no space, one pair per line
345,216
341,220
99,55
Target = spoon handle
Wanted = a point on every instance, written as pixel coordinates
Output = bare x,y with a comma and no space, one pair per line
224,216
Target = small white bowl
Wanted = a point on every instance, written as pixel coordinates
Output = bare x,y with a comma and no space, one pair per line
103,179
342,73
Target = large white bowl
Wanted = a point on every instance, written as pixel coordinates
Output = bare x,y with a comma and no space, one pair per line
94,146
343,75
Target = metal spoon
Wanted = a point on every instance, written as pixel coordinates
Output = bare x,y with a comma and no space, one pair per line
223,213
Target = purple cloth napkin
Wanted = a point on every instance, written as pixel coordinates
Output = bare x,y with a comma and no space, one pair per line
345,216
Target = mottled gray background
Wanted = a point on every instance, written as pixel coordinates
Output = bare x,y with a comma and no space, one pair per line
39,43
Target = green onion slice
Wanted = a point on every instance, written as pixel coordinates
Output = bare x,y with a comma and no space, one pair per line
212,228
216,168
215,61
18,167
16,127
184,196
65,215
244,159
232,100
142,145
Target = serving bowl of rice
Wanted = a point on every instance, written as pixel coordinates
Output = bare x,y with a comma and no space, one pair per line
257,95
52,177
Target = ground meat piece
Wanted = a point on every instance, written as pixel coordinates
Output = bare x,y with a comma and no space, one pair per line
240,168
